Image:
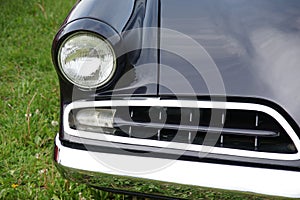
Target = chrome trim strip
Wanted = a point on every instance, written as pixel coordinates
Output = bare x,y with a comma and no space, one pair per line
225,131
248,179
191,147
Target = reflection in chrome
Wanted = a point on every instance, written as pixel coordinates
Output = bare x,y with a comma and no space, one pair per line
157,102
175,180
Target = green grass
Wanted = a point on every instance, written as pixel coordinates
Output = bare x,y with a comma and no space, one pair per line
29,104
29,87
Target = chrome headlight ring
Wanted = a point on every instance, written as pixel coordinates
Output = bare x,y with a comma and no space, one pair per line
87,60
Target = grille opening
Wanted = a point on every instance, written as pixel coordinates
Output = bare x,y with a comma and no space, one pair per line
174,116
138,114
268,123
205,117
199,138
240,119
244,142
238,129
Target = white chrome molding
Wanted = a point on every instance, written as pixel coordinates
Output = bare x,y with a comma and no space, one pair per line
181,146
248,179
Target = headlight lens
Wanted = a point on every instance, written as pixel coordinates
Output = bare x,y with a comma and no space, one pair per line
87,60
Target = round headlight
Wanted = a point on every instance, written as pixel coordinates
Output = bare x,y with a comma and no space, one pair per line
87,60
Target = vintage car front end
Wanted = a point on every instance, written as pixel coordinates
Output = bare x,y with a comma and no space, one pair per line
180,95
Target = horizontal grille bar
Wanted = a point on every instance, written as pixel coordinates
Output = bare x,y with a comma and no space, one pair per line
225,131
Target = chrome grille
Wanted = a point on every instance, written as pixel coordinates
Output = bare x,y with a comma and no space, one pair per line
242,129
238,129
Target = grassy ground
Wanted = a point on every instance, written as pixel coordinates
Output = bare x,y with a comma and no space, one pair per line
29,104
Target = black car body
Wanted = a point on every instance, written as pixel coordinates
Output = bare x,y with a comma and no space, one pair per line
197,93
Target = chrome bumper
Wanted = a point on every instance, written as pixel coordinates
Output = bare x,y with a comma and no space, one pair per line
178,179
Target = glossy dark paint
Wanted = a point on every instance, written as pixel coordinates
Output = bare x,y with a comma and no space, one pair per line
255,45
91,16
113,12
127,15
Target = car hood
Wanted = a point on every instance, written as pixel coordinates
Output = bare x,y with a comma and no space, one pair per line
244,49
